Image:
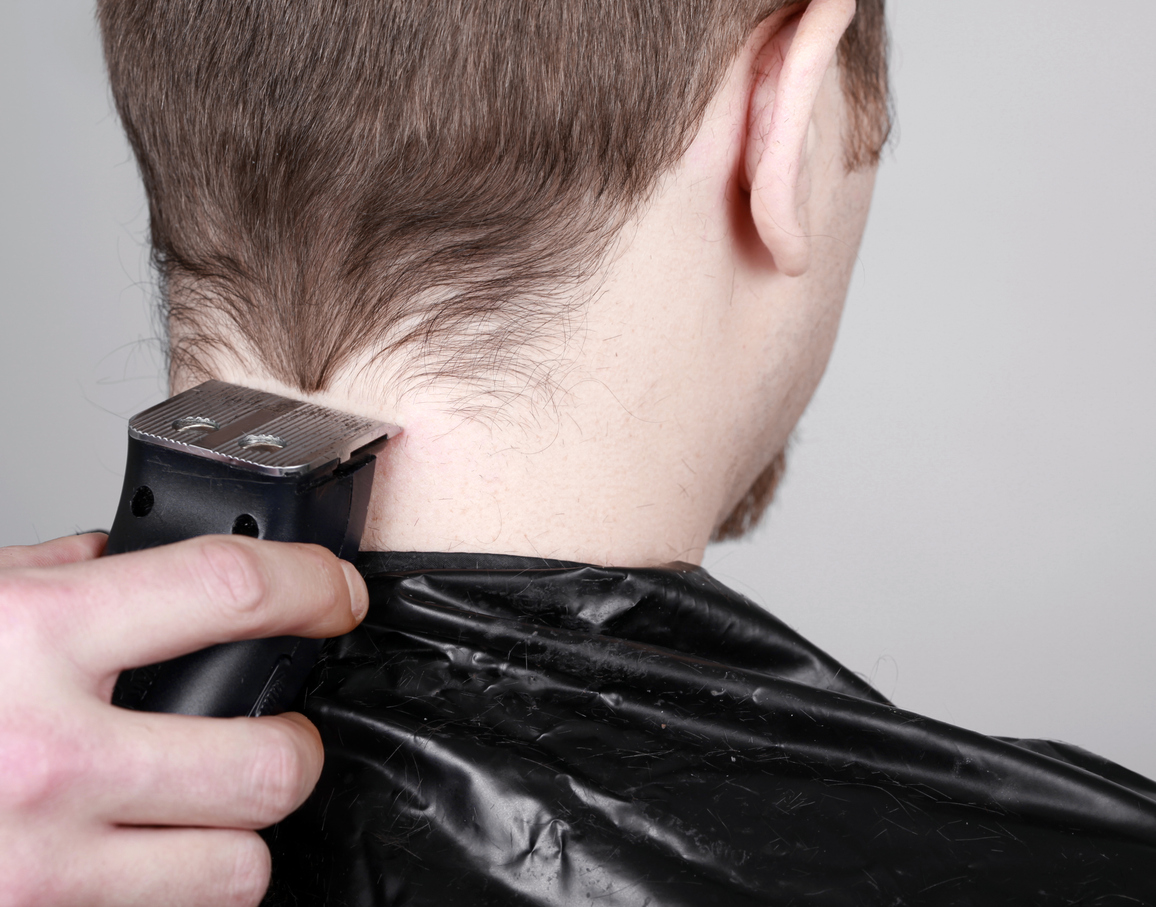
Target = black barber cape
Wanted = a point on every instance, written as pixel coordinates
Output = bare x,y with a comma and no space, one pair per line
509,731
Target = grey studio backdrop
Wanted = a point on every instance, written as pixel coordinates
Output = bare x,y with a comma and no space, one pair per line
969,518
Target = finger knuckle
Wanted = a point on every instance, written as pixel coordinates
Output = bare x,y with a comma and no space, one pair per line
23,605
278,778
231,574
36,765
40,612
248,876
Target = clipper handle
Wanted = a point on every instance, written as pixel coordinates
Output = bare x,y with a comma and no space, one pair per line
172,494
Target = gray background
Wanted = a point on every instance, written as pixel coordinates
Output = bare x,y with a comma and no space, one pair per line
970,514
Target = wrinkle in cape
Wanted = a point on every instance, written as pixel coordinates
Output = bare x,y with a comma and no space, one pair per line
513,731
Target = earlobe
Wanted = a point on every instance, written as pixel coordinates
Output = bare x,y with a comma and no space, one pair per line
790,69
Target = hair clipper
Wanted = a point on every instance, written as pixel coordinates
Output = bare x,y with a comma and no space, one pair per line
220,458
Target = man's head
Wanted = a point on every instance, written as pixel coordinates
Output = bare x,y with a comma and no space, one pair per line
523,212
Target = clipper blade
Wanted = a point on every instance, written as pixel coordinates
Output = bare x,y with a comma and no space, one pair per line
257,431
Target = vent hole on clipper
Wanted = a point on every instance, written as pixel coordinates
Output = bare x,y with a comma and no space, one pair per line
196,423
246,525
258,443
142,501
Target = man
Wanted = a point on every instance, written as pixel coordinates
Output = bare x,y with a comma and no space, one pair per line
597,335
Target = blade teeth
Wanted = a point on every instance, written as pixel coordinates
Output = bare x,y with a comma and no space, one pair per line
313,435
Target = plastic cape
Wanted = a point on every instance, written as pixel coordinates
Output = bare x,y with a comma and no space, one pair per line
509,731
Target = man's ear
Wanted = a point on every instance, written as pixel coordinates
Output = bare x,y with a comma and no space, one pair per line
790,68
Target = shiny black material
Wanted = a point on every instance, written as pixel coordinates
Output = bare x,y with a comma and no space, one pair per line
171,495
508,731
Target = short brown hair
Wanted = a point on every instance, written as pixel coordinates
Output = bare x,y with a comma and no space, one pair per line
333,178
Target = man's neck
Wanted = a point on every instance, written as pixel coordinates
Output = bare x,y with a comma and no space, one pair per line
604,492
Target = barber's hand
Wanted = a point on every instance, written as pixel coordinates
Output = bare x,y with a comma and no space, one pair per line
104,806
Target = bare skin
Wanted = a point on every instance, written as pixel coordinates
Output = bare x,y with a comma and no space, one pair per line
694,358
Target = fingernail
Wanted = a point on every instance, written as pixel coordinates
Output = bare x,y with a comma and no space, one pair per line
358,594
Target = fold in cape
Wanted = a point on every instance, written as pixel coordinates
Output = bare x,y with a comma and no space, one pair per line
514,731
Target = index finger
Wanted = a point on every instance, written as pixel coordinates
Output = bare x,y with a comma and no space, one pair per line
132,609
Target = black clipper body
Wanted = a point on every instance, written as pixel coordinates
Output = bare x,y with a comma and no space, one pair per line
220,458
